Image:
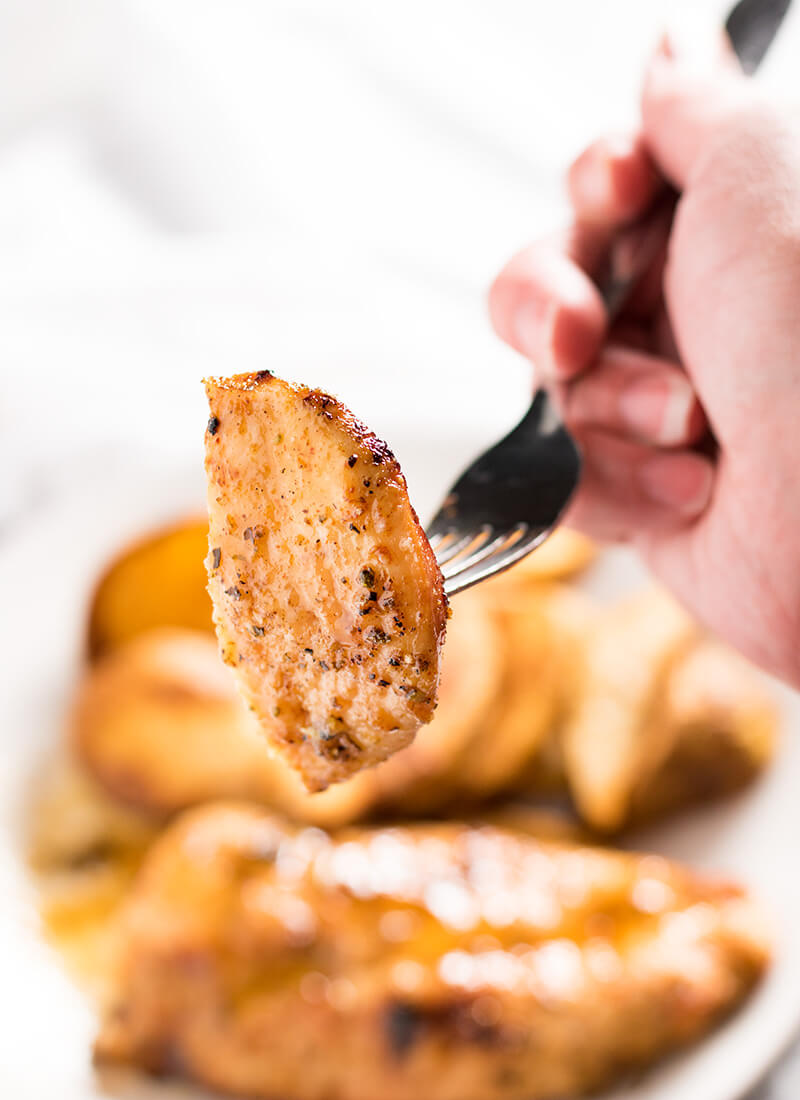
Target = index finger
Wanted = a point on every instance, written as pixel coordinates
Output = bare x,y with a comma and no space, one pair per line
613,181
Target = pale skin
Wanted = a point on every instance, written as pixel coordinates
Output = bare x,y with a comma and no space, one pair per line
710,340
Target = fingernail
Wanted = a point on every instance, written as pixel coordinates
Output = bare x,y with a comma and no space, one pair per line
658,409
681,482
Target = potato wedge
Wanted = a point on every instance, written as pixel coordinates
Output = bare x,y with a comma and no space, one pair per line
720,733
75,822
418,779
538,626
561,556
160,725
158,581
421,778
329,603
628,658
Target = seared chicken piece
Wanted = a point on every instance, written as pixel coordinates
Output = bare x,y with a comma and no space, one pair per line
448,962
328,600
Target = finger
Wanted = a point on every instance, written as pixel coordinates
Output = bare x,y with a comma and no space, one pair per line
631,332
647,296
662,335
627,489
687,99
545,305
636,395
613,181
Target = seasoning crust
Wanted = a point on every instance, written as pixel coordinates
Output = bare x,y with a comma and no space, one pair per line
328,600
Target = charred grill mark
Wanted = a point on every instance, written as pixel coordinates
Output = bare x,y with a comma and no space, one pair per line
378,449
403,1025
322,402
406,1024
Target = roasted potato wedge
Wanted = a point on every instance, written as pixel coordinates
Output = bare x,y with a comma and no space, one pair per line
540,628
423,777
160,725
329,603
75,822
84,848
629,655
720,732
158,581
560,557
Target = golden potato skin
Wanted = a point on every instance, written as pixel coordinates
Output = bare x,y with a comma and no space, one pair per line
160,725
720,732
425,777
441,961
159,580
328,600
627,658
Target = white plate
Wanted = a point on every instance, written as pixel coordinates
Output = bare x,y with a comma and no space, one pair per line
46,1025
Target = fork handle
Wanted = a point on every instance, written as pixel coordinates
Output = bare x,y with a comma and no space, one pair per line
630,257
633,251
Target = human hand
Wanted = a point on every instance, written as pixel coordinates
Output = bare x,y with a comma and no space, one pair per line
710,338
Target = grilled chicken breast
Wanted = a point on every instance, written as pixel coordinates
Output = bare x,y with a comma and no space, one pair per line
328,600
441,961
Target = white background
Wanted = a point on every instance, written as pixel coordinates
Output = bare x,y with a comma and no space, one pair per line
322,188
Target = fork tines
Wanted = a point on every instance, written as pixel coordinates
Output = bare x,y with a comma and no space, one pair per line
468,557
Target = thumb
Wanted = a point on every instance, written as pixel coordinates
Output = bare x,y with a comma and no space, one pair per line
689,96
